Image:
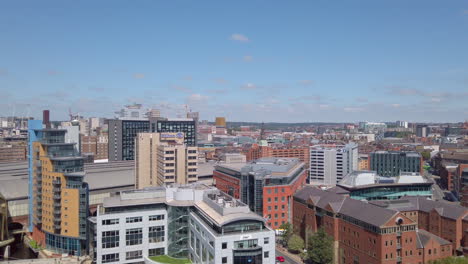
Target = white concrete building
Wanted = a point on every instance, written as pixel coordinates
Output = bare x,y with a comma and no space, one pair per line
188,221
330,163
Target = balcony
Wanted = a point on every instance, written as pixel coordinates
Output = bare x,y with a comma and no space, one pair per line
57,212
398,233
57,221
56,182
57,197
398,259
398,246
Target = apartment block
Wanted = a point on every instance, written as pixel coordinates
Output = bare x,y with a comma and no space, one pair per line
58,195
188,126
187,221
330,163
393,163
266,185
163,158
97,145
257,152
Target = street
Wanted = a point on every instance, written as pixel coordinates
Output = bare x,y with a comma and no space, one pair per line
287,260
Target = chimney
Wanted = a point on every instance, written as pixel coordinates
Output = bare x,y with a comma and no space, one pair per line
46,118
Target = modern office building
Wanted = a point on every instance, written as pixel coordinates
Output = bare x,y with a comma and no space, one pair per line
190,221
422,130
330,163
368,233
122,136
372,127
185,125
266,185
393,163
367,185
403,124
163,158
58,195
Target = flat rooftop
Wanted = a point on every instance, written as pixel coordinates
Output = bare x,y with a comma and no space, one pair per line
365,178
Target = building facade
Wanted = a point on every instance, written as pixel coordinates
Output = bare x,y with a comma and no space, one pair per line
393,163
422,130
195,222
58,194
185,125
220,121
163,158
97,145
364,232
266,185
122,136
330,163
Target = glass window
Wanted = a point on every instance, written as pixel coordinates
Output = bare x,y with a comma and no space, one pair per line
224,260
134,236
156,234
155,252
135,219
156,217
224,245
266,254
110,258
110,222
110,239
266,240
134,254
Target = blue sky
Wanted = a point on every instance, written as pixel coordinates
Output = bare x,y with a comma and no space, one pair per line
272,61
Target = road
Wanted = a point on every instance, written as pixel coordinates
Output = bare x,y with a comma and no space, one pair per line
287,260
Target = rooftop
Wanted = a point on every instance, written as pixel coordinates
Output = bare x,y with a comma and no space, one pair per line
365,178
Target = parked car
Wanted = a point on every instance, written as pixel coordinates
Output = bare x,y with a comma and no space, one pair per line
280,258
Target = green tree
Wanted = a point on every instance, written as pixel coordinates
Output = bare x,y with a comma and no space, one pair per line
320,248
426,155
287,232
295,243
451,260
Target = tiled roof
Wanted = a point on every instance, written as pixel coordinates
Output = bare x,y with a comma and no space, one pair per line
424,237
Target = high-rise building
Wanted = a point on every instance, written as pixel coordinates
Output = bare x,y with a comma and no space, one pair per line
266,185
393,163
220,121
58,194
163,158
154,113
190,221
403,124
132,112
330,163
122,136
185,125
97,145
422,130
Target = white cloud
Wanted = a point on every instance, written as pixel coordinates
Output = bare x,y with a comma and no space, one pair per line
353,109
249,86
239,37
396,105
195,98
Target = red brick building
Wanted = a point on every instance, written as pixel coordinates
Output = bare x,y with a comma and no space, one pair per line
257,152
366,232
267,185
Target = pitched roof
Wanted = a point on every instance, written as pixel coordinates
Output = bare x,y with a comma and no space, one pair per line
419,203
424,237
373,215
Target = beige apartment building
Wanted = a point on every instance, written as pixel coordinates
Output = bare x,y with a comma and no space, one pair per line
163,158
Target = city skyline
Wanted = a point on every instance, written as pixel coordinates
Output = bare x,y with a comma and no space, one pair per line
307,62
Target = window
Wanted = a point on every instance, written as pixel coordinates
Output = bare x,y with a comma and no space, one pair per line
110,258
224,260
133,254
269,191
156,234
269,199
266,240
110,222
266,254
135,219
155,252
224,246
110,239
134,236
156,217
